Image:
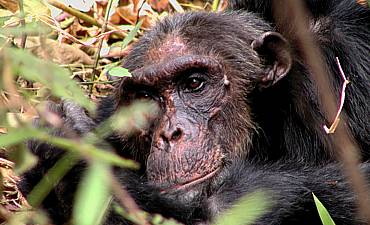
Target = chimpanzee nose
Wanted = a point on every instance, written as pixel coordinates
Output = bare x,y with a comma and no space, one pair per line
172,135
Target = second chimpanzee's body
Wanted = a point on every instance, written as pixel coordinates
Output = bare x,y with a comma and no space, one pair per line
238,113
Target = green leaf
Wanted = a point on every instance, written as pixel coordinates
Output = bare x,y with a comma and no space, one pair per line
160,220
14,137
109,67
54,175
119,72
114,69
128,119
86,148
49,74
247,210
93,195
67,22
134,217
22,158
131,34
215,5
323,213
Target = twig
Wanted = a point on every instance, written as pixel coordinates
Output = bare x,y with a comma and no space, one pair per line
335,123
23,23
74,12
126,200
137,9
66,34
86,17
97,54
98,82
175,4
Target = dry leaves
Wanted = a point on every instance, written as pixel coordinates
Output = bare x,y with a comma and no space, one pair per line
59,53
11,5
11,198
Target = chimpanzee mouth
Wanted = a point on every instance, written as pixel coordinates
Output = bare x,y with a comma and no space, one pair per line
190,183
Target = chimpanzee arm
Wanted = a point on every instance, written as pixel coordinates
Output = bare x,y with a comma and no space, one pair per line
150,199
291,192
290,189
75,123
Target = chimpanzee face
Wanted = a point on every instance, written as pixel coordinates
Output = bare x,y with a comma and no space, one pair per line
200,89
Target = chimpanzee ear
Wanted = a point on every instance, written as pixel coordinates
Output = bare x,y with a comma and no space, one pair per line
274,52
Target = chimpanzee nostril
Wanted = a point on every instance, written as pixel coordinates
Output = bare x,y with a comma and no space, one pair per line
174,135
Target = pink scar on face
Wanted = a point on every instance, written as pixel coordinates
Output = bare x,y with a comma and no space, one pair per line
170,46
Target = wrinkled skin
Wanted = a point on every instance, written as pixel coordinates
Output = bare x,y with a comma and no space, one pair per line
181,151
193,91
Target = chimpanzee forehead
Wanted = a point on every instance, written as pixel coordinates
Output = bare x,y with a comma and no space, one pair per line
171,46
226,36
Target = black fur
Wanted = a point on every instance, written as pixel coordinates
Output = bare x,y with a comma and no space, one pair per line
289,155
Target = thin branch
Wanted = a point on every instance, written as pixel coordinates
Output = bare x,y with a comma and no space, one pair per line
86,17
23,23
335,123
97,54
126,200
175,4
98,82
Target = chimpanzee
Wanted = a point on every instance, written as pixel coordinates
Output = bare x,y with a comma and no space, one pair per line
316,8
238,111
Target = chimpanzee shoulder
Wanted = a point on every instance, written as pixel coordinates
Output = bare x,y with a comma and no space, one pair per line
297,118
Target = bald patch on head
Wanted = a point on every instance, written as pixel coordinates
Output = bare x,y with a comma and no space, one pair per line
170,46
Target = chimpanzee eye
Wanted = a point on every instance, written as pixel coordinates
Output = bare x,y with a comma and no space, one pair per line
143,95
194,84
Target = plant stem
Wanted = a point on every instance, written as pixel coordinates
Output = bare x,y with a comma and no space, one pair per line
97,54
85,17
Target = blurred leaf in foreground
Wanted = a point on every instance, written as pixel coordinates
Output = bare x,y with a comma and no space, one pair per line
22,158
93,195
15,136
247,210
28,217
160,220
55,77
53,176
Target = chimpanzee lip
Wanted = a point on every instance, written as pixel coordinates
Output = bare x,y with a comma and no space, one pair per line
190,183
